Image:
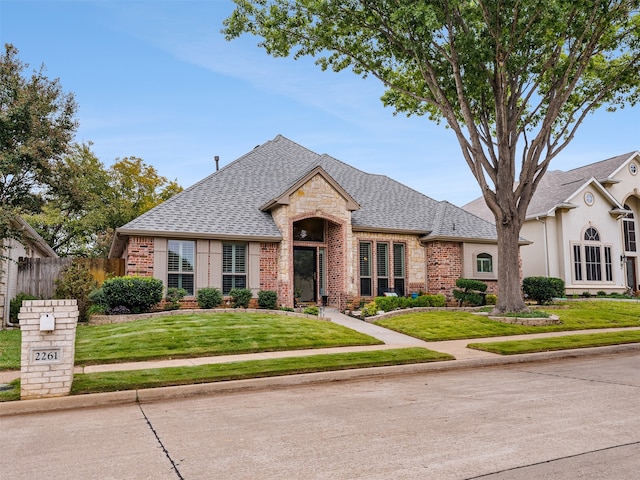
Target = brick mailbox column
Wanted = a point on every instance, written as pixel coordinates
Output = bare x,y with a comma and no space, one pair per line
48,347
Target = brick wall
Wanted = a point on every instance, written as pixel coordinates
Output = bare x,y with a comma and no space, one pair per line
444,267
139,256
269,266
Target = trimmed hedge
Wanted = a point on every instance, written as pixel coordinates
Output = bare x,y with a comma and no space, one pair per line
137,294
387,304
267,299
543,289
209,297
471,293
240,297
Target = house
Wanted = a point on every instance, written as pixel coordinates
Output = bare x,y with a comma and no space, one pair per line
287,219
34,247
583,225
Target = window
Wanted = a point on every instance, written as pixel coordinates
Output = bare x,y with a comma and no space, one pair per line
629,226
592,261
398,269
309,230
484,263
181,262
382,267
234,266
365,269
633,168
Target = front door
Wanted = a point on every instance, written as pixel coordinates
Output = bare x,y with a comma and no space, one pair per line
304,274
631,273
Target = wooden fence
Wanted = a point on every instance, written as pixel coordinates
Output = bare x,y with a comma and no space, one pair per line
37,276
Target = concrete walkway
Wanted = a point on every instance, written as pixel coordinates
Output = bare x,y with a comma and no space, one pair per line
391,339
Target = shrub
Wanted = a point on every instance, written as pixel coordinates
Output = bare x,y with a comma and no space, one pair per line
369,310
471,291
16,303
137,294
209,297
491,299
97,297
287,309
543,289
602,293
267,299
240,297
386,304
586,294
76,281
119,310
313,310
173,297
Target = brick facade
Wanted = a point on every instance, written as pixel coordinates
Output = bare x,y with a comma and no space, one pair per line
139,256
269,266
444,266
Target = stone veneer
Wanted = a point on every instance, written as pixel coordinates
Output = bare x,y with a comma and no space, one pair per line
316,198
47,356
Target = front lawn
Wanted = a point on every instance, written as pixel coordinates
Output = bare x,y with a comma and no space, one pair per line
564,342
135,379
197,335
455,325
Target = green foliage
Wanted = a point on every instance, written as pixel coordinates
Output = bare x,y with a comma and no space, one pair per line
240,297
76,281
36,127
209,297
491,299
369,310
137,294
387,304
287,309
471,292
16,303
543,289
97,297
173,297
267,299
312,310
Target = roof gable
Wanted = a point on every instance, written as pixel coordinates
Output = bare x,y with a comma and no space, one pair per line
283,198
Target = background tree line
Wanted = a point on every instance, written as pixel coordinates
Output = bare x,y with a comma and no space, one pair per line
59,186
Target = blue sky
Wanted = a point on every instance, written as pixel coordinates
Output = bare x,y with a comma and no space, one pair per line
156,79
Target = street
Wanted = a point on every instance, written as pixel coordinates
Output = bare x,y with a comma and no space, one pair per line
570,418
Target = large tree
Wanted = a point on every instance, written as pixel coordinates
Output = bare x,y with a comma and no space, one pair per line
513,79
88,201
36,127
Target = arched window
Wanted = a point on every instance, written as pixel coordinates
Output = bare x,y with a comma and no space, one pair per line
484,263
591,259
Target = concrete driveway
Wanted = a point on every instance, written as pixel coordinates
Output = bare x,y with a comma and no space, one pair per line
572,418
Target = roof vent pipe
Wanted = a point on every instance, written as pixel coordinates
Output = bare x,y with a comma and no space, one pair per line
217,159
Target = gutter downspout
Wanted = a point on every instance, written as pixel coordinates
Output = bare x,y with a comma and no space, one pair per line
546,251
7,301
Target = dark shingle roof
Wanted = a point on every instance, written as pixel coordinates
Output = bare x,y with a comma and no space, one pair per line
557,187
227,203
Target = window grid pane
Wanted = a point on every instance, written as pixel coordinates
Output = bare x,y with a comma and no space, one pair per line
593,263
398,260
382,259
608,265
577,262
365,259
629,235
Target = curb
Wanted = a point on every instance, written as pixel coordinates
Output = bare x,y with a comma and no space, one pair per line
151,395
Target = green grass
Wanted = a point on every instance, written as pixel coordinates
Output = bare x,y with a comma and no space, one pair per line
455,325
10,349
514,347
196,335
128,380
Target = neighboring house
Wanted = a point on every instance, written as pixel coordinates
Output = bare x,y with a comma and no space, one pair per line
287,219
35,247
583,225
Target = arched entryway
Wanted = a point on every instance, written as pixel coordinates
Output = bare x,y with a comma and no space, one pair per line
318,260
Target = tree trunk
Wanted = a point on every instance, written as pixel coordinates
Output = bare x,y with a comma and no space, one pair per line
510,297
